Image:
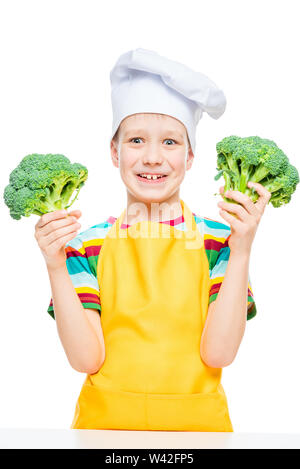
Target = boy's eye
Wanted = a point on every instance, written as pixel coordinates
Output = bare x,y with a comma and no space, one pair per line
135,138
167,139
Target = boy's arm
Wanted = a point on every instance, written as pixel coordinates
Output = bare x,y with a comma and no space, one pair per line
227,315
79,329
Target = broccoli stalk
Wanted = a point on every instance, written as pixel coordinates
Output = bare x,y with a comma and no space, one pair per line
42,184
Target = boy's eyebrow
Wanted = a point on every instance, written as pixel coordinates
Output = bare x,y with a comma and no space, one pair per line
166,132
135,131
174,132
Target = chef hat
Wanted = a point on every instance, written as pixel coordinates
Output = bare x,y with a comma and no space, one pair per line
143,81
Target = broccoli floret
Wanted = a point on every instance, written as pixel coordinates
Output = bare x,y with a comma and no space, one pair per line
227,163
283,185
256,159
42,184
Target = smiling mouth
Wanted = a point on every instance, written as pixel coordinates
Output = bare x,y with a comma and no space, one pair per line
152,179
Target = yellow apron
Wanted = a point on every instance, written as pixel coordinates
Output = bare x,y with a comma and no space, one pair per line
154,287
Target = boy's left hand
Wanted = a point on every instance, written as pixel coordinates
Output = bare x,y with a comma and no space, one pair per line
243,228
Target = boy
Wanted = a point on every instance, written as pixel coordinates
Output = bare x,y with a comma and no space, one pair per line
171,318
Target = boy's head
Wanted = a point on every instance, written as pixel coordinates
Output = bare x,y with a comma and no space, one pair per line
157,104
151,143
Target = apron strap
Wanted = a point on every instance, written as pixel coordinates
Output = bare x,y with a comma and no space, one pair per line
191,233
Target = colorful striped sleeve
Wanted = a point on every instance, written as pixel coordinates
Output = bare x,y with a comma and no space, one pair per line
81,259
218,252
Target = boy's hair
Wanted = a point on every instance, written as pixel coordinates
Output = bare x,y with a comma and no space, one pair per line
116,136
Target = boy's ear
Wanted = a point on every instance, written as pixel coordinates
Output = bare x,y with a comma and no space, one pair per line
114,153
190,159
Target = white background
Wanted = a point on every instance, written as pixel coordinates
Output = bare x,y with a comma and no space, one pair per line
55,98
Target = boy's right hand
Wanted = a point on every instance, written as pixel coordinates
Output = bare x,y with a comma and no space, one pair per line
52,231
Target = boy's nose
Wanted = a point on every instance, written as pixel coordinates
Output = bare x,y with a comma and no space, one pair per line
152,154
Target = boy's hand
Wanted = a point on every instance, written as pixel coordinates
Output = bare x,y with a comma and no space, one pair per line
248,215
52,231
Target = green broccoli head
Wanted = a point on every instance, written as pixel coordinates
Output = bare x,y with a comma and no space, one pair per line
256,159
42,183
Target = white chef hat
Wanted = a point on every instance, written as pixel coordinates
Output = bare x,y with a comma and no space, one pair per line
143,81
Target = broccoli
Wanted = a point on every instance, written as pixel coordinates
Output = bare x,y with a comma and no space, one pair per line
256,159
42,184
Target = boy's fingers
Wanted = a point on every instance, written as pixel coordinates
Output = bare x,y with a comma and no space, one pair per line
264,195
57,214
221,189
75,213
47,217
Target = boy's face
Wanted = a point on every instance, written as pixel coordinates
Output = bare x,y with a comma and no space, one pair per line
152,144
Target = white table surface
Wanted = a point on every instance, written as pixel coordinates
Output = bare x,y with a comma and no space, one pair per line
122,439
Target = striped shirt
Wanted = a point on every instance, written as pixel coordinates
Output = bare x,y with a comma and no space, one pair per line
82,256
